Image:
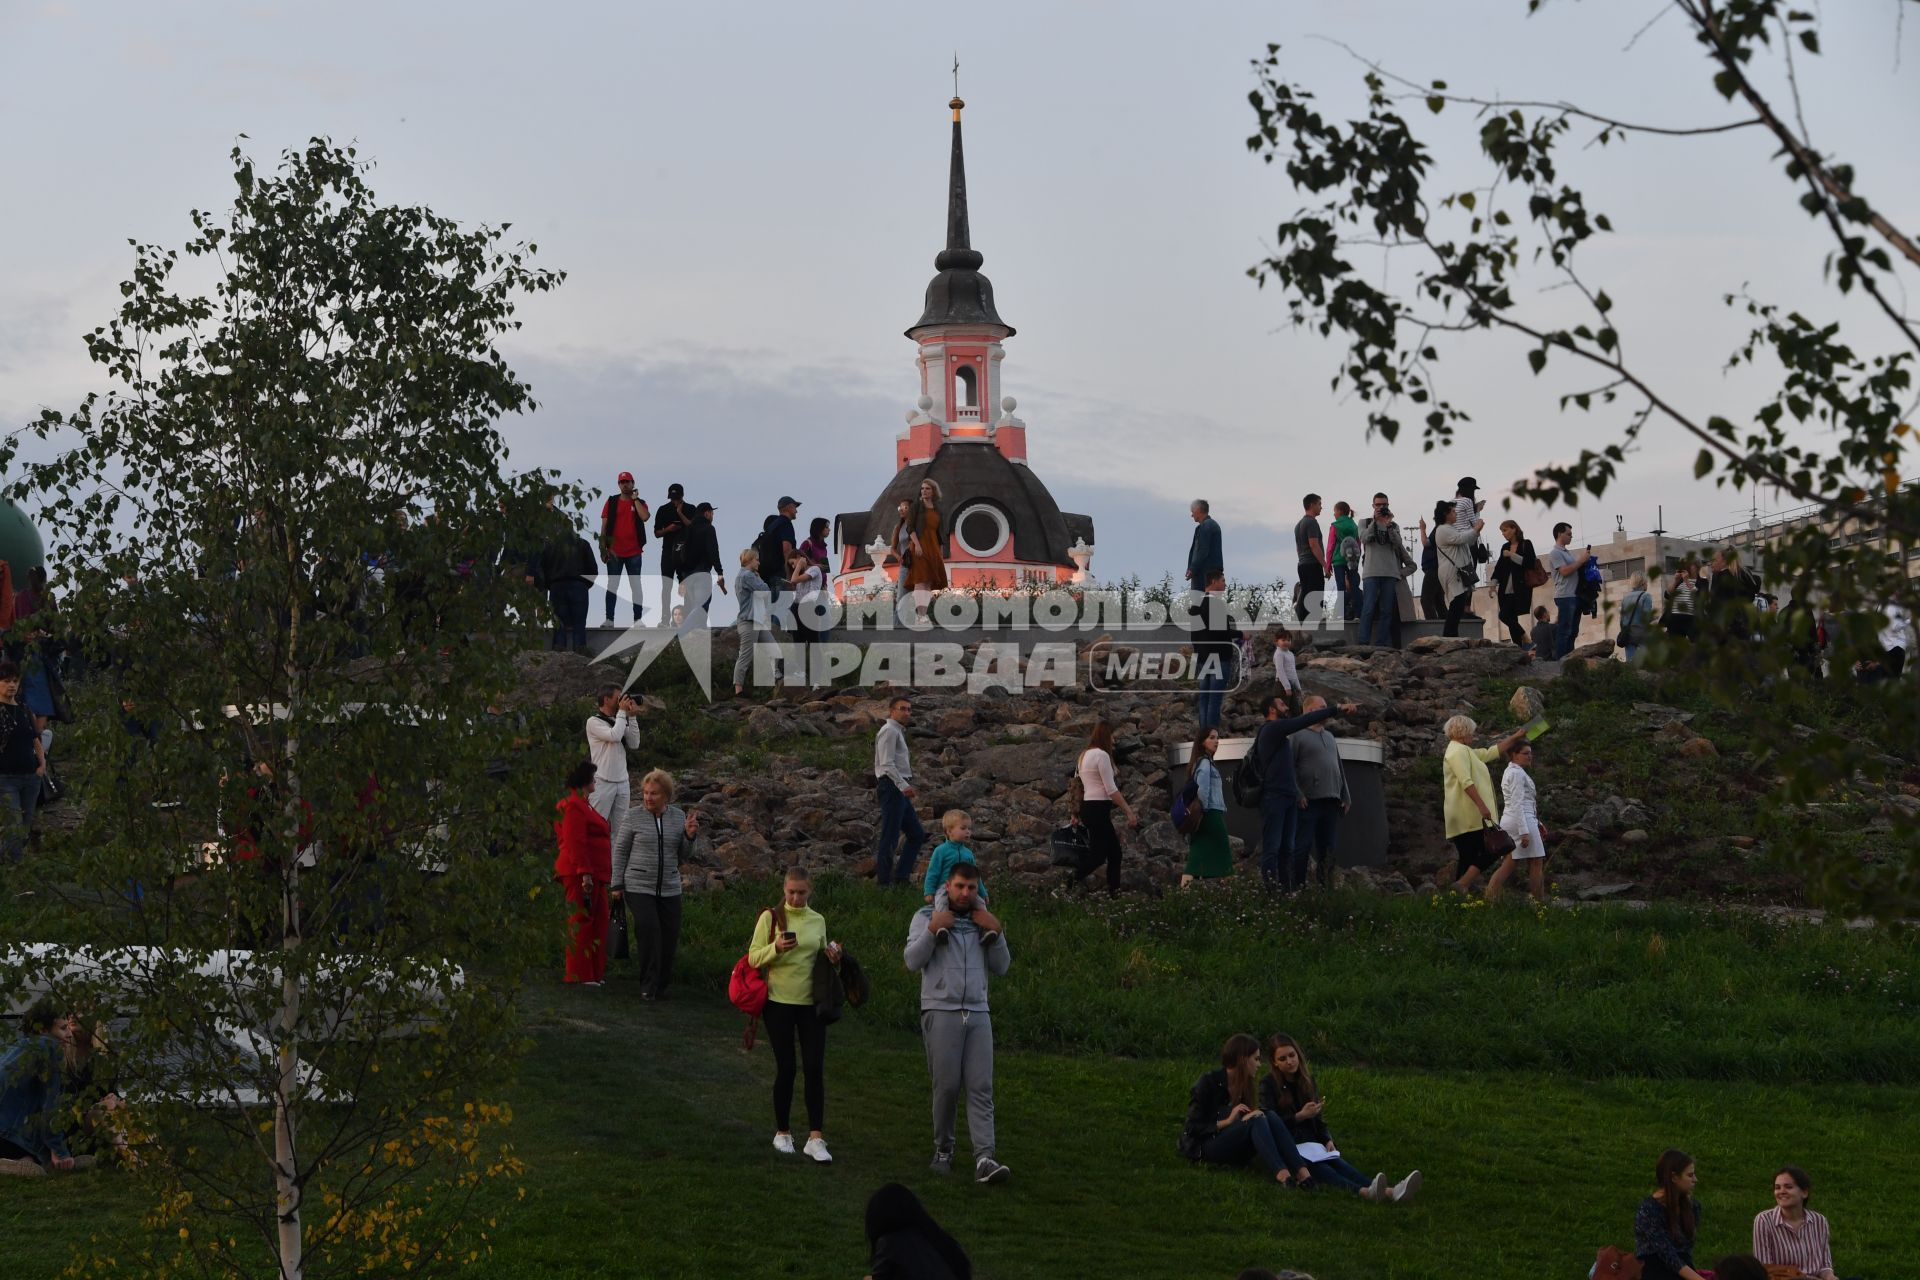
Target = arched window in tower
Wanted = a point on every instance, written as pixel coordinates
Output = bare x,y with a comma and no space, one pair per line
967,387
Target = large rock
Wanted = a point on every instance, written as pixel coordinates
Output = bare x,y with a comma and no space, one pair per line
1020,763
1527,703
1593,652
1337,687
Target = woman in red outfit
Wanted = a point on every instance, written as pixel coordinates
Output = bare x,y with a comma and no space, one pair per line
584,867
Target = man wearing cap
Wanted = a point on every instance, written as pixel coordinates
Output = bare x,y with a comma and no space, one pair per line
623,536
780,530
700,565
671,528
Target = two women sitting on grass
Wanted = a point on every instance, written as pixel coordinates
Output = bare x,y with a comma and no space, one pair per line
1288,1092
1224,1126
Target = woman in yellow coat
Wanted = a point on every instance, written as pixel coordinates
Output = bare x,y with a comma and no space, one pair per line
1472,803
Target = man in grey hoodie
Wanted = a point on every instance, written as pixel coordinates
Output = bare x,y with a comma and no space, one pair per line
953,944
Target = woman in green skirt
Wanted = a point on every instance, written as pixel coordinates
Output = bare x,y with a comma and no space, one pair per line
1209,854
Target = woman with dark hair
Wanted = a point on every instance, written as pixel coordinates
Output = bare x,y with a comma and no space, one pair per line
1668,1222
816,544
1288,1091
36,1071
1790,1234
1512,592
1225,1127
1209,850
906,1243
927,569
1099,793
584,869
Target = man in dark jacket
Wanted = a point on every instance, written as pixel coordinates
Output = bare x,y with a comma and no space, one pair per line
1204,557
568,568
671,528
1279,791
700,563
1216,648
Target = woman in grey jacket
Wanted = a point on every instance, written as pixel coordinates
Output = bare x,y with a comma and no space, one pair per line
754,598
646,876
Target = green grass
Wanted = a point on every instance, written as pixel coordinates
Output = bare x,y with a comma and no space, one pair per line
1531,1066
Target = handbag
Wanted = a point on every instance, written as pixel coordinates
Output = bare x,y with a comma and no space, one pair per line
617,928
52,789
1537,575
1499,843
1071,844
1615,1263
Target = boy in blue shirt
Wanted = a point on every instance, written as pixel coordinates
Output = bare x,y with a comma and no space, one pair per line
959,829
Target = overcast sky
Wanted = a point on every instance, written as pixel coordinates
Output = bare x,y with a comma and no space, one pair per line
747,200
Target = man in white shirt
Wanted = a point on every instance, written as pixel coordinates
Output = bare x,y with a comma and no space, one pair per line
893,781
612,731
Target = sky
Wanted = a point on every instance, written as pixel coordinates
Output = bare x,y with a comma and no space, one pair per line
747,199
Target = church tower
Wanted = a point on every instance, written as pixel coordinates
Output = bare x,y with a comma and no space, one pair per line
1002,528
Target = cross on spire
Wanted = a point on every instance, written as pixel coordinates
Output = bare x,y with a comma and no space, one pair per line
956,73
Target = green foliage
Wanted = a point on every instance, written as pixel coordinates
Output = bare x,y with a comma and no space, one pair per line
1835,432
284,860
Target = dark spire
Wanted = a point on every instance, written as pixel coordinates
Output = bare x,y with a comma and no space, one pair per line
959,294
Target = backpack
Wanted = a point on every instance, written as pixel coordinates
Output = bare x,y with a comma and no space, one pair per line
1187,812
1350,552
767,547
1430,557
747,986
1250,779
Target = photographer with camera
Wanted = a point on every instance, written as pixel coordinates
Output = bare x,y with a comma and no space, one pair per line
1383,562
954,943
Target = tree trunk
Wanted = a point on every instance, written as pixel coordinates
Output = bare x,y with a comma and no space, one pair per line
292,1266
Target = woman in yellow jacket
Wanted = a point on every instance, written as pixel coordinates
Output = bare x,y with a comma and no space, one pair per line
784,950
1472,802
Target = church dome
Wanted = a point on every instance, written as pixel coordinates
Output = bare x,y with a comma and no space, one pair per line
995,507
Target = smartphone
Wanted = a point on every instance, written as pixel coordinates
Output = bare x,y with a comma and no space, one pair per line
1537,728
788,935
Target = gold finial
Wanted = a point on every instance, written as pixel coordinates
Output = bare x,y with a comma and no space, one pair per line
956,104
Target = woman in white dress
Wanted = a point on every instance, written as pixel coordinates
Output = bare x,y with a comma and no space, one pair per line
1520,818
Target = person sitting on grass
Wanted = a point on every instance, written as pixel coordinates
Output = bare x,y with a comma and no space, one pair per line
1288,1091
1668,1222
34,1075
1225,1127
959,829
1790,1234
905,1243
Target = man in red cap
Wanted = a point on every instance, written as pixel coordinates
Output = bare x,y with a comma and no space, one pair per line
623,536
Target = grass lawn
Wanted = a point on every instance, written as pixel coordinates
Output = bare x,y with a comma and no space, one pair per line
1532,1068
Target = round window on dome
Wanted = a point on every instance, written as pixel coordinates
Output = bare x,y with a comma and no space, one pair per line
982,530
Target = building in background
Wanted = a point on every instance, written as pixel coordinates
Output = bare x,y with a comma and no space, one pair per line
1001,526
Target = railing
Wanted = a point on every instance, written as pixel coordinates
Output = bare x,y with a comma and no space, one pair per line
967,413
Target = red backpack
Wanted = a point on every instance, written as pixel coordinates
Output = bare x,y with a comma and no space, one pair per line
747,987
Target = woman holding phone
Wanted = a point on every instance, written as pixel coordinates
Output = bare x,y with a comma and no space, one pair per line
786,941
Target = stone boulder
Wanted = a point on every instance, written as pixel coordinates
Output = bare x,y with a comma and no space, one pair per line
1527,703
1338,687
1018,764
1599,649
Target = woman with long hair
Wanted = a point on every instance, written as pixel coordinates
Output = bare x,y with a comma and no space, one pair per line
927,568
786,941
1225,1126
1288,1091
584,868
905,1243
35,1073
1099,793
1209,851
1667,1222
1790,1234
1512,593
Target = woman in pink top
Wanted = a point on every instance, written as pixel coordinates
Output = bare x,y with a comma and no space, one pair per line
1099,794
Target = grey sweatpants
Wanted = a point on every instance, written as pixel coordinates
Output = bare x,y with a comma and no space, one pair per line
960,1056
750,633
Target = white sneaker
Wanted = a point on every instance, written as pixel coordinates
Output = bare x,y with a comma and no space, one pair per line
1404,1189
783,1143
817,1149
1377,1189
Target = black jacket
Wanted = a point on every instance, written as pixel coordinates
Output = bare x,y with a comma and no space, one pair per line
1511,578
908,1255
700,553
1207,1106
1276,1100
566,558
639,513
673,545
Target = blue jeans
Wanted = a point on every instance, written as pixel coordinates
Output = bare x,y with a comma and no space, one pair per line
19,797
1319,831
569,600
1379,601
1347,582
896,817
1279,821
1338,1173
1213,695
629,565
1260,1137
1566,624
